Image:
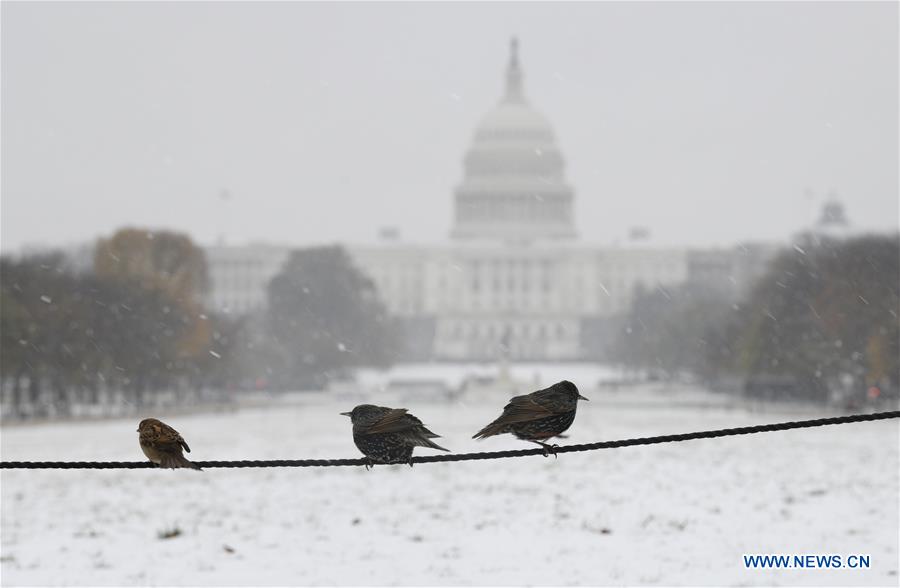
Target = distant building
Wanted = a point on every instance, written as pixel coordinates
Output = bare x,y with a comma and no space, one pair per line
831,226
832,223
514,281
239,276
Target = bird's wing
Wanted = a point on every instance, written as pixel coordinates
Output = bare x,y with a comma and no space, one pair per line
521,409
165,438
524,408
393,421
549,399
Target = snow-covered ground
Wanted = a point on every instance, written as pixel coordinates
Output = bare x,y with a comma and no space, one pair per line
668,514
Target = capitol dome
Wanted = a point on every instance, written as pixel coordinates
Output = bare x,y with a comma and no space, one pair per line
511,120
513,188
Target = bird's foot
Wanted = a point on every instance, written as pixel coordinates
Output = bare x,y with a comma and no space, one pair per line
410,462
548,449
369,463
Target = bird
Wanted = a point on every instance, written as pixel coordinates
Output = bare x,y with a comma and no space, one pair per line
162,445
538,416
388,435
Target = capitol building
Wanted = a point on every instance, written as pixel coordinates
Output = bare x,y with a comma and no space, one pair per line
513,281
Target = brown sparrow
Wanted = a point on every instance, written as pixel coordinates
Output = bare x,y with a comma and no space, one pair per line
162,445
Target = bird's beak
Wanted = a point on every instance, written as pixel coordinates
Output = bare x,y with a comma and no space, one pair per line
345,413
583,398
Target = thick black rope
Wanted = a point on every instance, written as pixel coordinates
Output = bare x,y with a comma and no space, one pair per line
306,463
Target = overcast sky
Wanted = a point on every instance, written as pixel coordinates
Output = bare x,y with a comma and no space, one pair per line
708,123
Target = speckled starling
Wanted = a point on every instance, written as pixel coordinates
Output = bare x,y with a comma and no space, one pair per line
162,445
388,435
538,416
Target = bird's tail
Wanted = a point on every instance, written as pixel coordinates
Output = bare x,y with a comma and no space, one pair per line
177,461
495,428
424,441
426,432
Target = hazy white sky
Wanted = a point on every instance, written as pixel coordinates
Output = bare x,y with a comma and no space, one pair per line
709,123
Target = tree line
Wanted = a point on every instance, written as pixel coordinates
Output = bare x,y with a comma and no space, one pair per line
133,330
822,323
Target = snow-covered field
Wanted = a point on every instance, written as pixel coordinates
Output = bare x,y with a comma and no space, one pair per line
668,514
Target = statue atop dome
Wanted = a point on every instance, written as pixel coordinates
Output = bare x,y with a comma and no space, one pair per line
514,91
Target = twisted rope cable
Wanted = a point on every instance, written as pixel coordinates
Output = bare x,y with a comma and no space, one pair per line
305,463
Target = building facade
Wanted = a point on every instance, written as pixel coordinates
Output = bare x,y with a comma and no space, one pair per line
514,281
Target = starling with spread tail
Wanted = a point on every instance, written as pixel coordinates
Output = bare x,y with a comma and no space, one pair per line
388,435
538,416
162,445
